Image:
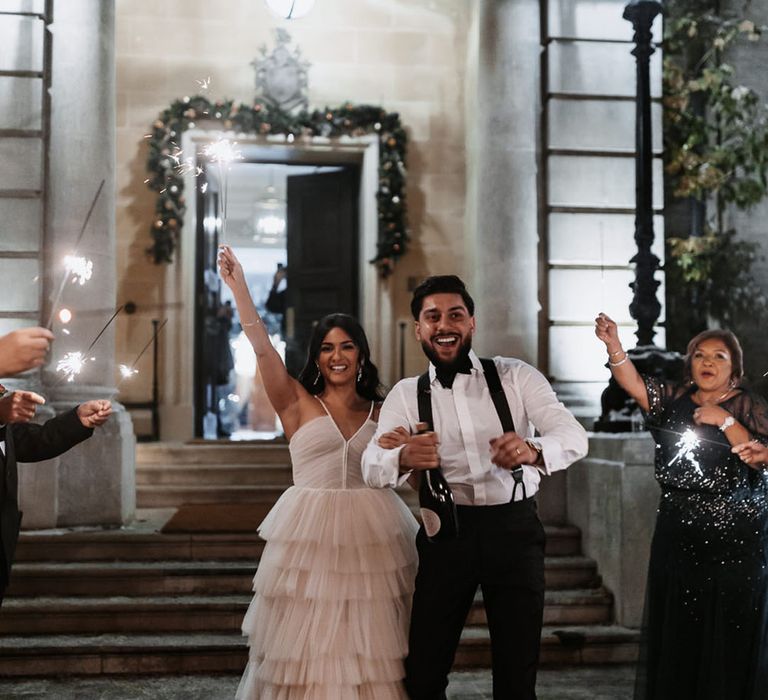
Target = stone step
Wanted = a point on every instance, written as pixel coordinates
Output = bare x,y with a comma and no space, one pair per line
140,654
219,613
214,475
126,545
560,646
166,496
224,452
137,545
564,607
133,579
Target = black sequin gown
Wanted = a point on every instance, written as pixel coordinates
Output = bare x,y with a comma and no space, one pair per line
707,596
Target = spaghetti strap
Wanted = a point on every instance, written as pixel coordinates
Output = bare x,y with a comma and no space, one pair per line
322,403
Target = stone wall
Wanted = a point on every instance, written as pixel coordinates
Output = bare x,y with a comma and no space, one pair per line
612,497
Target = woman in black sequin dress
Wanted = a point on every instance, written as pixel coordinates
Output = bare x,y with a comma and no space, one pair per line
707,593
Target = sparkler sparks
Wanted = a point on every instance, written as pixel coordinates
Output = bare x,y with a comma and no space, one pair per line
222,152
205,83
57,296
687,443
79,267
127,372
71,365
65,315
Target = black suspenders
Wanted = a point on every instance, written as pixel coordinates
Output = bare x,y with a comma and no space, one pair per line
499,398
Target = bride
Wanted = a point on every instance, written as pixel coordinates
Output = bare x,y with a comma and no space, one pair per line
329,617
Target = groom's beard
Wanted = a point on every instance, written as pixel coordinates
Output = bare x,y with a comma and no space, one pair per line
460,361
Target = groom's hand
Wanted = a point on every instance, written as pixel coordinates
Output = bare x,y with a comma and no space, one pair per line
420,452
510,451
92,414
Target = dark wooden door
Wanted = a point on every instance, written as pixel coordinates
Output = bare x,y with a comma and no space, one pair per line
322,223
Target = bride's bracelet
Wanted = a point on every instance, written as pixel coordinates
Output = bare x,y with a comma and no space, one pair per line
618,352
248,325
620,362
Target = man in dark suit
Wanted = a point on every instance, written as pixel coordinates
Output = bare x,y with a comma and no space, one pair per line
23,441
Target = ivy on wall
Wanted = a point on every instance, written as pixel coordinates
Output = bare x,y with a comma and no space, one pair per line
167,165
716,159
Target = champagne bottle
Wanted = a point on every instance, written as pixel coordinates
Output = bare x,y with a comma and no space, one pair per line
438,509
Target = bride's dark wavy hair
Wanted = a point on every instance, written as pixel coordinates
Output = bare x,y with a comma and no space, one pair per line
368,386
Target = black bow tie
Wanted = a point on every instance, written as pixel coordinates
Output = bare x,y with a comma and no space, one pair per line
446,375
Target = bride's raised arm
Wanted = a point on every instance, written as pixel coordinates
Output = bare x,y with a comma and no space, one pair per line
283,390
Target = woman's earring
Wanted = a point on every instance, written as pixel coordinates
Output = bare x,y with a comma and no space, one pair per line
359,373
317,378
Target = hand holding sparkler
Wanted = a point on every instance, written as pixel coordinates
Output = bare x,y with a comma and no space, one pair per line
19,406
753,453
94,413
23,349
230,269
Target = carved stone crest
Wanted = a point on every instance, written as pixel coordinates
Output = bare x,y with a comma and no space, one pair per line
281,76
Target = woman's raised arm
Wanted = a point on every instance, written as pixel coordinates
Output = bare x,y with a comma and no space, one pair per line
282,389
624,372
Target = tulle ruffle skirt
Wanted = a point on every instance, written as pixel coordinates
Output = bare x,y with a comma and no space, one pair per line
329,618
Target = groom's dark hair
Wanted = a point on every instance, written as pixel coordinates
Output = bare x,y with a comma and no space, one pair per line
440,284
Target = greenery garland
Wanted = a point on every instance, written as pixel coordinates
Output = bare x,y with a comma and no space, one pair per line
167,168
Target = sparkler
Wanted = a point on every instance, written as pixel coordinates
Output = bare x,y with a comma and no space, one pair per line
223,153
79,267
73,363
127,371
205,83
687,443
59,292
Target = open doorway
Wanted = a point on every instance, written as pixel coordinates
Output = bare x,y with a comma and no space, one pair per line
294,227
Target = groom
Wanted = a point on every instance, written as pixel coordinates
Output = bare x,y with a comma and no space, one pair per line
484,417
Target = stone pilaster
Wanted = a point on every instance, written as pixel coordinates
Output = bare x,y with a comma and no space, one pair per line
502,109
93,484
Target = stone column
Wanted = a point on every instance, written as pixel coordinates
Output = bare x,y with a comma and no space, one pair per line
502,106
93,484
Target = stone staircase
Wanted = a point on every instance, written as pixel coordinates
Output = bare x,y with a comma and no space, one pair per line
136,600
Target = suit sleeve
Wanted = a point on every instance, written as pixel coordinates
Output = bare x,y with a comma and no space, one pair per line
562,439
35,443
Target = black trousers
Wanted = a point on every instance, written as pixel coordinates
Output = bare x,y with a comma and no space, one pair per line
501,549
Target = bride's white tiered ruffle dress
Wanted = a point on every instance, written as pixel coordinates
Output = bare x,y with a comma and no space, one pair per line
329,619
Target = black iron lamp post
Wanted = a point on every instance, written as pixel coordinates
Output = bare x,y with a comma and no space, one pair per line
645,307
617,407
